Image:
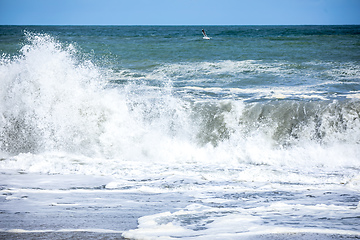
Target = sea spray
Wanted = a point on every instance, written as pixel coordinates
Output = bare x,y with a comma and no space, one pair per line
53,100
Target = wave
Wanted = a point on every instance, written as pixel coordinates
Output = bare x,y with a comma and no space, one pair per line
53,99
251,80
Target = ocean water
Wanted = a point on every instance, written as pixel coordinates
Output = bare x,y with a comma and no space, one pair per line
151,132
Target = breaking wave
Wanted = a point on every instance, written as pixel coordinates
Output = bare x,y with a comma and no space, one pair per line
53,99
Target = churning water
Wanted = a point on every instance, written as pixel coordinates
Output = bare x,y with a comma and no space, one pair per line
254,133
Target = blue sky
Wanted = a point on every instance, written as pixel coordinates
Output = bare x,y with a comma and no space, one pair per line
179,12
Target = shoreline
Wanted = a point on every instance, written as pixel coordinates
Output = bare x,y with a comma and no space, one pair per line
82,234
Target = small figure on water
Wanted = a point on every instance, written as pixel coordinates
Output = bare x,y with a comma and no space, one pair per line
205,36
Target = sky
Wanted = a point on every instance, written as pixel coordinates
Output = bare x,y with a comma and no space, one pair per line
179,12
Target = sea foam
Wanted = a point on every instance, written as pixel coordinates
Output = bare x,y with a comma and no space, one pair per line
55,101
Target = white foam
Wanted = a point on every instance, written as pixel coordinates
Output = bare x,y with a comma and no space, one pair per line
230,223
61,231
354,94
59,118
63,108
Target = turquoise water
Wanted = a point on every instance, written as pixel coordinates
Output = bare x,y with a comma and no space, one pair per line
280,55
253,133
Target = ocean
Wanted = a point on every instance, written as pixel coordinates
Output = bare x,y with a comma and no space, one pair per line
152,132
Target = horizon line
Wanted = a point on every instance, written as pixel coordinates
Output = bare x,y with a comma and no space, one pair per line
171,25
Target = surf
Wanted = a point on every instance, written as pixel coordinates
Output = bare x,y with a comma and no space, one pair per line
203,148
56,100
